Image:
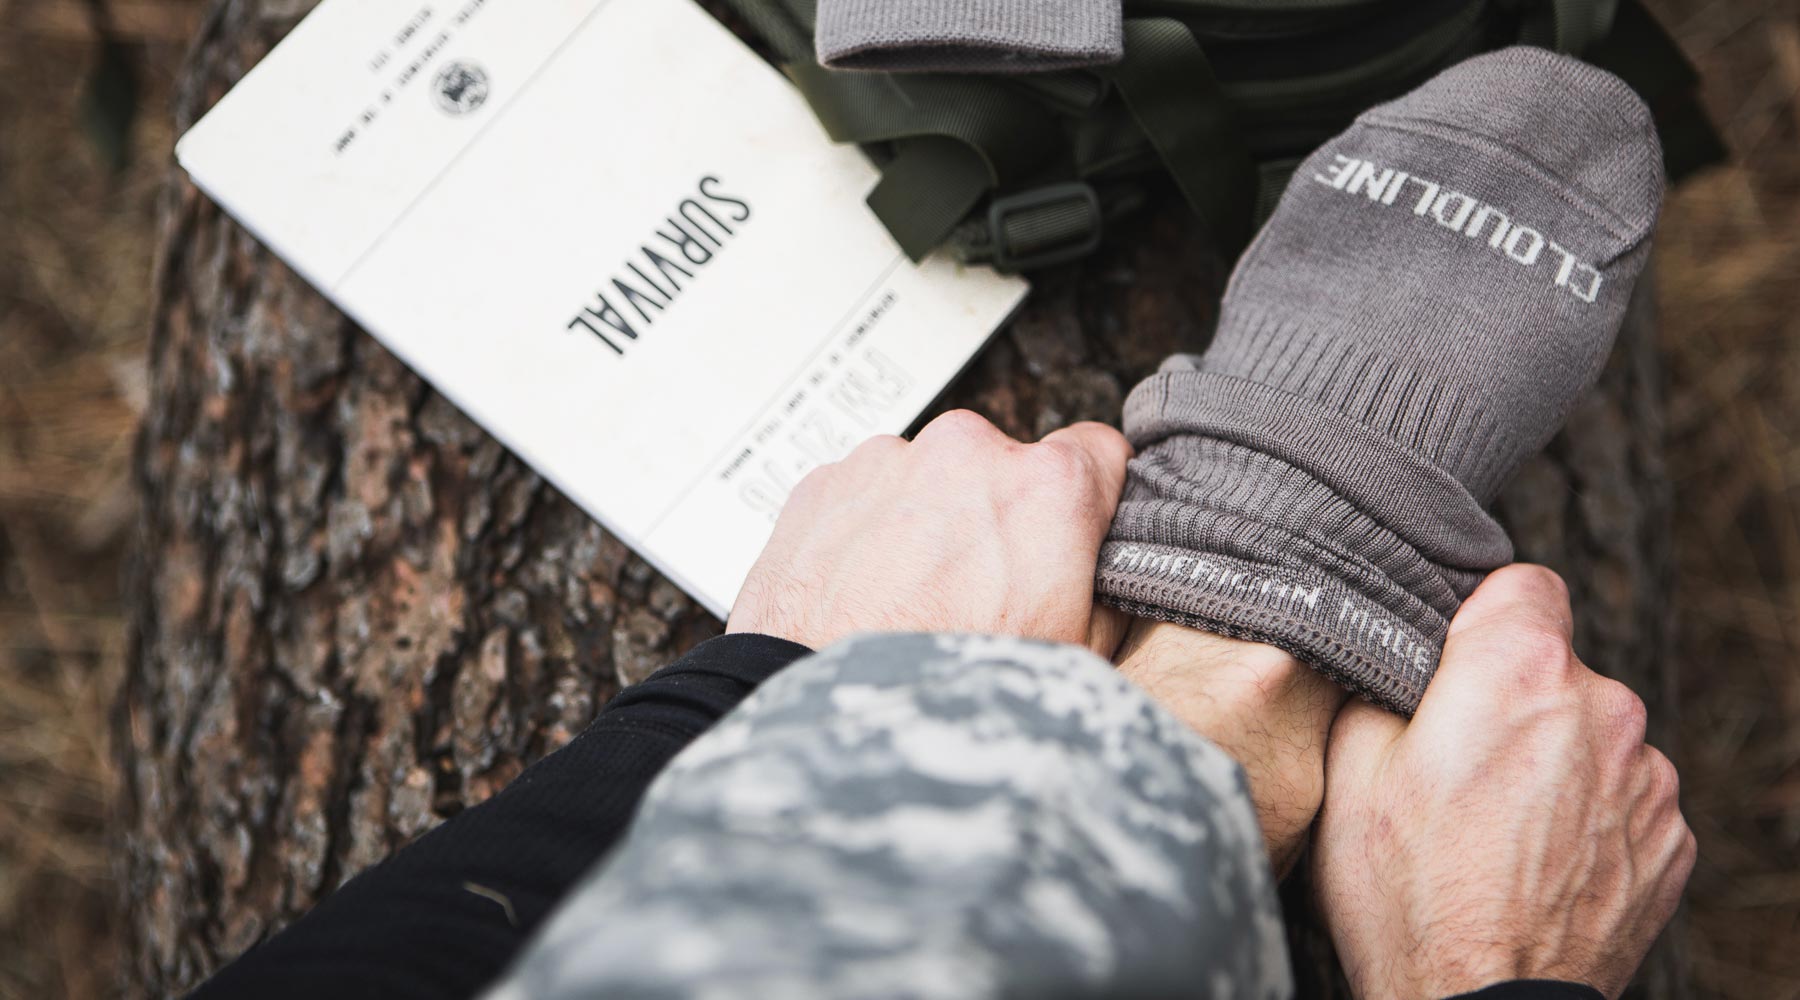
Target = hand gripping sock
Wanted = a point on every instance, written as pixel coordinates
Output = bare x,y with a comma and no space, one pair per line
1436,288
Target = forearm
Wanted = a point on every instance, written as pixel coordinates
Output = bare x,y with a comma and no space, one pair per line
443,917
930,815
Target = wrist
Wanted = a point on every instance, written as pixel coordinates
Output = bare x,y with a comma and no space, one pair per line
754,617
1486,956
1259,704
1256,682
1533,989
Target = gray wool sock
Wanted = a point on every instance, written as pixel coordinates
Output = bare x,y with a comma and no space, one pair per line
969,36
1436,288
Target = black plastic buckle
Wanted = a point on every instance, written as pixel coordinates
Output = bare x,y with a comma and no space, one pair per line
1040,199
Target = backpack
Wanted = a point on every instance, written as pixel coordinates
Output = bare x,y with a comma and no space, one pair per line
1223,96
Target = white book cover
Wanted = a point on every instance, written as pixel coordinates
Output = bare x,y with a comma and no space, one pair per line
612,235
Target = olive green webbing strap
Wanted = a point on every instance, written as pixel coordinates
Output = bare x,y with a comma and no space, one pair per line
931,181
955,140
927,190
786,25
1581,23
1057,225
947,141
1169,86
1071,91
1638,51
958,139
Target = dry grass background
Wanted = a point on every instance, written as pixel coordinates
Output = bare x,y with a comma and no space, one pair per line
1729,269
76,241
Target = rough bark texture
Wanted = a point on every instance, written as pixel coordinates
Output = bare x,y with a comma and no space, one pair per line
355,613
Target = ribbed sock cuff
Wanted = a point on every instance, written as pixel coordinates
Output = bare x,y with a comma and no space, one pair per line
1258,514
1348,637
969,36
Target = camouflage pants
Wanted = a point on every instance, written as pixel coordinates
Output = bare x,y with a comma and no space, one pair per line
930,816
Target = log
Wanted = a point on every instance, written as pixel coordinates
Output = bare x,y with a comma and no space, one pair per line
353,613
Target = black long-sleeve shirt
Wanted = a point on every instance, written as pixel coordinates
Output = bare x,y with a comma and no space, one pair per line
444,917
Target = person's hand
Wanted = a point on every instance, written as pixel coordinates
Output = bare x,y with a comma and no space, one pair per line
962,529
1517,828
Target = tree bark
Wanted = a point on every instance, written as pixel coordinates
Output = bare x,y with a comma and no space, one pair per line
355,614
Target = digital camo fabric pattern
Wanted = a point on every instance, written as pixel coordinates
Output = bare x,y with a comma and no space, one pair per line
930,816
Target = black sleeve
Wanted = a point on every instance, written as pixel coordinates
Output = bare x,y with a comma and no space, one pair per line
443,917
1533,989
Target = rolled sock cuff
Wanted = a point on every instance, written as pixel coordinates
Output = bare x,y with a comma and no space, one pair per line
969,36
1261,515
1398,490
1350,638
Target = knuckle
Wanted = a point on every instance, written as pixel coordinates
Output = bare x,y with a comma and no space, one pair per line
1104,440
1688,849
1665,778
1679,850
815,482
958,424
877,447
1103,429
1059,463
1624,712
1525,592
1536,584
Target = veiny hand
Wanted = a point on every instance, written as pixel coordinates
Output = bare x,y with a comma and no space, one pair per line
1517,828
962,529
